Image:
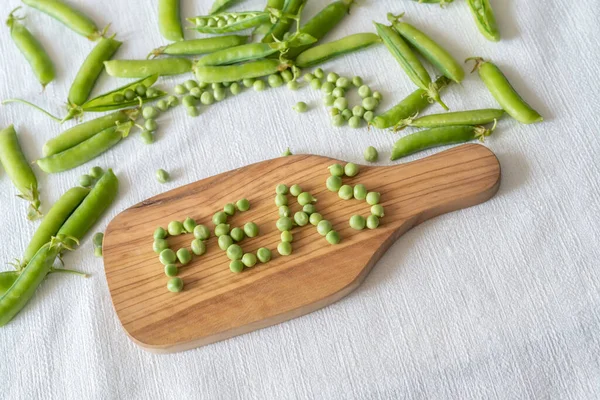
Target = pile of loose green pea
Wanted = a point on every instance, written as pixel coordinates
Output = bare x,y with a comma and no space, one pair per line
359,192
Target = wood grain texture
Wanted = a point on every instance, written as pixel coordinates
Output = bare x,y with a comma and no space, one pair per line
217,304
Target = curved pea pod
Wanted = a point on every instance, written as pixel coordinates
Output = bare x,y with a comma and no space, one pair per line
84,151
199,46
90,70
322,23
7,279
32,50
471,117
484,18
106,102
143,68
292,9
230,73
70,17
19,171
328,51
437,137
93,206
428,48
504,93
413,104
230,22
169,22
54,220
409,62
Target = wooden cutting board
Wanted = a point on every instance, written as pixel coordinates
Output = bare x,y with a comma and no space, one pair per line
217,304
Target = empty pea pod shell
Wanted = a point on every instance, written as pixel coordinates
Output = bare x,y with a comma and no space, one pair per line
105,102
169,22
230,73
292,8
327,51
199,46
32,50
484,18
233,22
143,68
471,117
70,17
505,94
84,151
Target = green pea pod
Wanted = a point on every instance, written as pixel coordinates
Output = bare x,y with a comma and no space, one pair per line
408,61
230,22
471,117
428,48
253,51
169,22
293,9
106,102
264,28
199,46
7,279
413,104
93,206
322,23
32,50
143,68
327,51
70,17
85,151
19,171
231,73
504,93
54,220
485,19
90,70
442,3
220,5
82,132
436,137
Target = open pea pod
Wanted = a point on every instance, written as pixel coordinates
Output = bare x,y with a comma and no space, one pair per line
107,101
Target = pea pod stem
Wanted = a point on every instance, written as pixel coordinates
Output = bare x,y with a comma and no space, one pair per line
293,9
55,118
442,3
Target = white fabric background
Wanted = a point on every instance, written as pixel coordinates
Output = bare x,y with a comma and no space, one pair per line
498,301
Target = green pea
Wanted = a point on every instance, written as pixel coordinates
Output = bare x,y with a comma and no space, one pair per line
284,224
287,75
248,82
319,73
286,236
357,81
346,114
360,192
173,101
211,23
140,90
259,85
281,200
284,211
151,92
151,125
167,256
96,172
346,192
234,252
371,154
171,270
338,92
249,260
377,96
333,237
334,111
357,222
336,170
275,80
341,103
315,218
332,77
180,89
226,84
98,252
184,256
175,228
160,233
301,107
305,198
162,105
219,94
201,232
175,285
351,169
243,205
216,85
237,234
372,221
149,112
198,247
129,94
327,88
369,115
162,176
324,227
189,100
281,189
236,266
328,100
224,242
263,254
315,84
251,229
235,88
373,198
358,111
159,245
295,190
370,103
377,210
229,209
286,153
196,93
364,91
333,183
309,209
221,229
189,225
190,84
284,248
192,111
219,218
343,83
118,98
301,218
308,77
207,98
354,122
293,85
86,181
